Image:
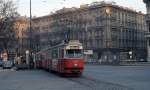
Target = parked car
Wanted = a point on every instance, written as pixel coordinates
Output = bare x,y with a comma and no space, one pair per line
7,64
1,63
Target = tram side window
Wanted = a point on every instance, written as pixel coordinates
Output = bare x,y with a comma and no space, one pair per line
49,54
41,57
61,53
54,53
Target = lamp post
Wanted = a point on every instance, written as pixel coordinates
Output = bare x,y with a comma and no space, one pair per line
30,33
30,26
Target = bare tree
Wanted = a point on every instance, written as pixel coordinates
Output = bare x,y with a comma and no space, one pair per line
8,11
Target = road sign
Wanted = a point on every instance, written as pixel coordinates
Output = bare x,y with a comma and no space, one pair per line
88,52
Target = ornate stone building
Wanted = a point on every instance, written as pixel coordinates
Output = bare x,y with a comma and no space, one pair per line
147,2
15,40
21,29
113,32
41,29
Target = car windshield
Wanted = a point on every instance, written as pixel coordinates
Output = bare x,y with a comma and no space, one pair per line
74,53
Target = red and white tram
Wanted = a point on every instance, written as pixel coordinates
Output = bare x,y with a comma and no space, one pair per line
64,58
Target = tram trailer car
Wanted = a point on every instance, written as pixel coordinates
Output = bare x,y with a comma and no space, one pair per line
38,58
66,59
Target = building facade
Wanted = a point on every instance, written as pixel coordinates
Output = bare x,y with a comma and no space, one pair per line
8,40
147,2
41,29
112,32
21,29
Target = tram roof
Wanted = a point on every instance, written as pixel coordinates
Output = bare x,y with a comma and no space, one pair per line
71,42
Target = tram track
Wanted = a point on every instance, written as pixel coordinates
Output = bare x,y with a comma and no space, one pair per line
94,84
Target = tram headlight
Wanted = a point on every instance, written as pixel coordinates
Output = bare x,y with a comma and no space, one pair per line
75,65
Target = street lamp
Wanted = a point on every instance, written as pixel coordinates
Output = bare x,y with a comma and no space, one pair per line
30,26
30,33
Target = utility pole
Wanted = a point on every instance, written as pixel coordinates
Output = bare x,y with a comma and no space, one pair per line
30,33
30,38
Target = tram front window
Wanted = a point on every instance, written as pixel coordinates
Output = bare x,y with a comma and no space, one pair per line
74,53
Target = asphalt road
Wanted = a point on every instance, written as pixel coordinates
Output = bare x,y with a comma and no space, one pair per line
94,78
134,77
35,80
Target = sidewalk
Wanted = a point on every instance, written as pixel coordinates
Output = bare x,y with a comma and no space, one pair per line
121,63
135,64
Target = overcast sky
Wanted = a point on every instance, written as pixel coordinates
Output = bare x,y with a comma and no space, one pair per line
44,7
